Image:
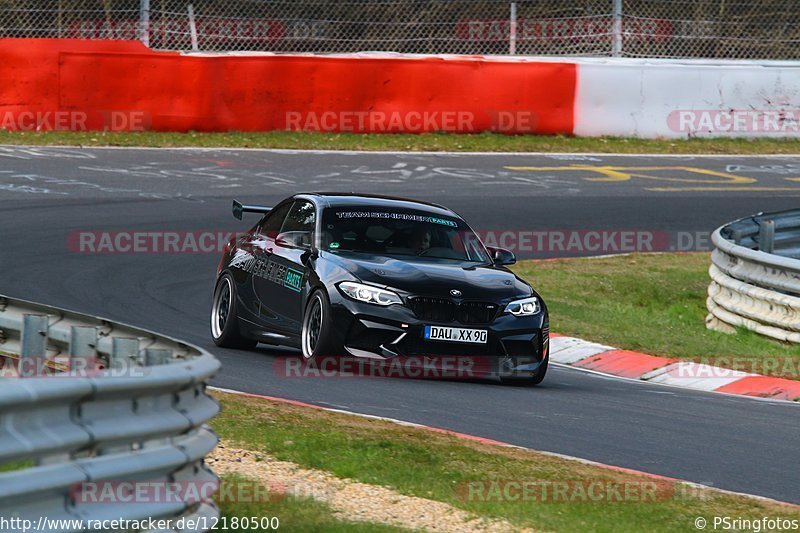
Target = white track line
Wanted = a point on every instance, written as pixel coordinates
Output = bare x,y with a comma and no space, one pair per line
397,152
673,386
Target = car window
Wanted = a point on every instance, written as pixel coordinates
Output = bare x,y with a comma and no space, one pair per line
272,223
301,217
399,232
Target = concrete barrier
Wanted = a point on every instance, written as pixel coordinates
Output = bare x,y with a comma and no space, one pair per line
72,84
683,99
122,85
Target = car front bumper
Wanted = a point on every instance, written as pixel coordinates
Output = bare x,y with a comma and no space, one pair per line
515,346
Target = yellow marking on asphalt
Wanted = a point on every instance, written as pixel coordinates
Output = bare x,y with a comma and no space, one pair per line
736,189
616,174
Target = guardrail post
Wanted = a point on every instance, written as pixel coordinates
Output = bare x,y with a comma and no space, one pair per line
616,31
155,356
512,30
34,345
193,28
82,347
144,22
124,353
766,236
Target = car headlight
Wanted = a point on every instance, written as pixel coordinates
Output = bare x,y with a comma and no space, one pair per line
525,307
369,294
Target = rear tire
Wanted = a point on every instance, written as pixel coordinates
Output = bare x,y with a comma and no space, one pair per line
316,336
225,318
528,381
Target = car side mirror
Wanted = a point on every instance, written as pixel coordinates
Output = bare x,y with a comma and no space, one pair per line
294,239
501,256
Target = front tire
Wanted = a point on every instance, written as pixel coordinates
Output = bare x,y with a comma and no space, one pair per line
225,318
316,337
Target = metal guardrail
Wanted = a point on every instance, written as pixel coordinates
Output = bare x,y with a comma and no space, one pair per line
85,401
755,276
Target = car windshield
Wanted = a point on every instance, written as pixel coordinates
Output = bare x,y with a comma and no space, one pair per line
396,232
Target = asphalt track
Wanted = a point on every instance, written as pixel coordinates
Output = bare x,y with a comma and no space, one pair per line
48,195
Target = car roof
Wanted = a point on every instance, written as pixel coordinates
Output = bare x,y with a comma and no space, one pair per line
335,199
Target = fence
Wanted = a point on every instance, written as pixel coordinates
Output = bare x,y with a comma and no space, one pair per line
89,402
755,275
731,29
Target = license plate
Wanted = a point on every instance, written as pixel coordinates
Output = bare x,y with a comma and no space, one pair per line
440,333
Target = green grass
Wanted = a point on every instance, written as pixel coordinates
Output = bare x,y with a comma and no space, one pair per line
431,465
294,514
654,303
483,142
16,465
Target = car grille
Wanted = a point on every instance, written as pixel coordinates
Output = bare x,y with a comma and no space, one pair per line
435,309
444,310
476,312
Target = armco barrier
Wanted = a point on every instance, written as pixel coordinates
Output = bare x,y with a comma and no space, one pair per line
136,416
755,275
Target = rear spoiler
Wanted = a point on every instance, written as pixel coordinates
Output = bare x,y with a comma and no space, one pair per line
238,209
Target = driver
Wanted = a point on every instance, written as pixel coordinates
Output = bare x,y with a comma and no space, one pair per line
421,241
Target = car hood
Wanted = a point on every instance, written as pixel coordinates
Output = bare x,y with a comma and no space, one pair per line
433,278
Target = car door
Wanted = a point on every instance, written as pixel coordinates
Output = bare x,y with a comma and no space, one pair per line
262,247
290,255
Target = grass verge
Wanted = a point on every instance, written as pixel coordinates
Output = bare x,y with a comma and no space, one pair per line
16,465
653,303
434,142
441,467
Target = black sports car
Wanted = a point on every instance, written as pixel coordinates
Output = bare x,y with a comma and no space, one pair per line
378,278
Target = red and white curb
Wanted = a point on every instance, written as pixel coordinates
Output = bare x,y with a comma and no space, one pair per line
611,361
484,440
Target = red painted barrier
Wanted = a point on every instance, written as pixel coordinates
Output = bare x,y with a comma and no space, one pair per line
50,84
